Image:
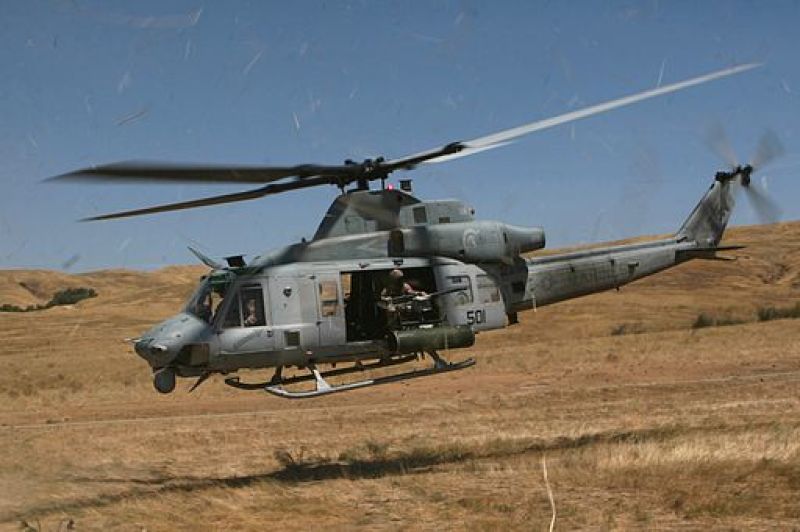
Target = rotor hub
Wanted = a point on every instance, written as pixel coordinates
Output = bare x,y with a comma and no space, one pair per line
743,172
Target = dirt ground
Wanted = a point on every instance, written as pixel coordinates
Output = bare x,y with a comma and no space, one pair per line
641,420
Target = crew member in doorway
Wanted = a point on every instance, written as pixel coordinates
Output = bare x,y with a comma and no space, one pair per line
396,287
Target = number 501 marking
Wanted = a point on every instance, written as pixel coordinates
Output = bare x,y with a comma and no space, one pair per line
476,317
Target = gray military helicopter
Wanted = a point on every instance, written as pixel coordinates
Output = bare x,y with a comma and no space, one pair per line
388,277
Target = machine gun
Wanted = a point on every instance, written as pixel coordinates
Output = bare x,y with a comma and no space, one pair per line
411,310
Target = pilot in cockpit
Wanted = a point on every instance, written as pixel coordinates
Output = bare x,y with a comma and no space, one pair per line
203,307
251,314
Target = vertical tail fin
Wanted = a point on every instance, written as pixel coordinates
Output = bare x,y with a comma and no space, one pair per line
707,222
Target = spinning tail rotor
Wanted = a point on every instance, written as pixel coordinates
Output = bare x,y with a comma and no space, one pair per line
769,148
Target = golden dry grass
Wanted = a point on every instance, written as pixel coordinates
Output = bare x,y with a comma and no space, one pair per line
667,428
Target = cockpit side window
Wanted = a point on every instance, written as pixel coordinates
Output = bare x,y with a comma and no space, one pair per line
253,306
200,304
246,308
209,298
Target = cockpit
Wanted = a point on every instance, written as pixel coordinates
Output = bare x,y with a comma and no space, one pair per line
245,309
208,298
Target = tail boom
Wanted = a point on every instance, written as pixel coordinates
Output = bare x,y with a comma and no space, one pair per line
559,277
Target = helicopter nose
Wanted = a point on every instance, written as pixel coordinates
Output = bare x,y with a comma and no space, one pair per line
154,352
162,344
146,348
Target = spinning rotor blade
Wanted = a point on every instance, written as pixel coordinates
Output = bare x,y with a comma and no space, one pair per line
769,148
766,209
717,141
153,171
495,140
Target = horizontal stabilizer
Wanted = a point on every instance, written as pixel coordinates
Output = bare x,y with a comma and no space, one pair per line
707,253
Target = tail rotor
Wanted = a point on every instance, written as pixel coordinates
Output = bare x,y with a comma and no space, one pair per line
769,148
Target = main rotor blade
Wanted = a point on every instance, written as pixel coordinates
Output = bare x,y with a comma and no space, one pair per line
311,175
495,140
766,209
769,148
718,142
160,172
216,200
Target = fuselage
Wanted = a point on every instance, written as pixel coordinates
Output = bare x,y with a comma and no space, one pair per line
326,311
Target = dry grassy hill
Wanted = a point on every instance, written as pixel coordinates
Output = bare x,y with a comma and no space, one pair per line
644,421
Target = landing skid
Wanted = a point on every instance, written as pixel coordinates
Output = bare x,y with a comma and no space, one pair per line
278,380
324,388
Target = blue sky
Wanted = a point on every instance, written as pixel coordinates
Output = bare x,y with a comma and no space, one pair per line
89,82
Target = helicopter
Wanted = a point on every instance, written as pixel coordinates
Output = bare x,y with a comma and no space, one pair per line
389,278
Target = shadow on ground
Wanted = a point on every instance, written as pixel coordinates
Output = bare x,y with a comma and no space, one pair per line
412,461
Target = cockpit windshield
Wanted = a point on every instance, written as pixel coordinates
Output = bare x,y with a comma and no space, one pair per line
208,297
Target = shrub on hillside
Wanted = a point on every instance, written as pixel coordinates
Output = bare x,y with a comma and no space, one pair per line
68,296
703,320
627,328
778,313
706,320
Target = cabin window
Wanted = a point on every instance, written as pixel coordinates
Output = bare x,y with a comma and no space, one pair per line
328,298
487,290
347,283
444,219
420,216
464,296
247,308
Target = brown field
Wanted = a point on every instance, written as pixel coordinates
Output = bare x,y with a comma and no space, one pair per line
644,422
